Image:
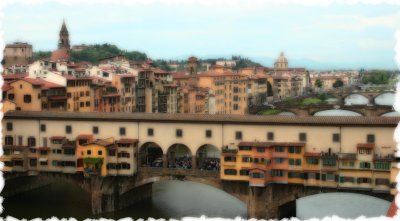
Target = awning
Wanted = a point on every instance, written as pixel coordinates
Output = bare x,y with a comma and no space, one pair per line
42,160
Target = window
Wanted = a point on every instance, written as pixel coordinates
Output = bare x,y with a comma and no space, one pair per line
244,172
279,149
9,126
382,165
43,128
31,141
303,137
279,160
229,159
363,180
122,131
230,172
244,148
260,149
336,138
68,129
95,130
33,162
279,173
329,162
111,152
150,132
81,94
89,152
380,181
312,161
270,135
69,151
27,98
87,103
365,165
43,163
87,93
246,159
81,104
11,97
294,162
179,133
345,179
123,155
43,152
208,133
99,152
257,175
9,140
20,138
370,138
238,135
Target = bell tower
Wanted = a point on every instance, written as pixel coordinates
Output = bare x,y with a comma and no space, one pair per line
63,42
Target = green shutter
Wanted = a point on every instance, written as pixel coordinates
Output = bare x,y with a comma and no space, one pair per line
323,177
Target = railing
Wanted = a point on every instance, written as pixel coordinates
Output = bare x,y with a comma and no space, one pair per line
177,172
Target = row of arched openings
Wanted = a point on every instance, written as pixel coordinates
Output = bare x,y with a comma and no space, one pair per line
179,156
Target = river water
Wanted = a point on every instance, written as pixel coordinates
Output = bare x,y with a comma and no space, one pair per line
177,199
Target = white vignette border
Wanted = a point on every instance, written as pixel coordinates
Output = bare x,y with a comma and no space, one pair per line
396,106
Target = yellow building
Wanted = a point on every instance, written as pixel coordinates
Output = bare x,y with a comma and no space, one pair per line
95,156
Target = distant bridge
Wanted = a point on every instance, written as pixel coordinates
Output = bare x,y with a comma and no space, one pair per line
114,193
364,110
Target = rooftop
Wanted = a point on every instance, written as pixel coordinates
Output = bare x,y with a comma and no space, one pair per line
209,118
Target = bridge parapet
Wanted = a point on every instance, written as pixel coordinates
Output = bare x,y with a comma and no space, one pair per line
151,171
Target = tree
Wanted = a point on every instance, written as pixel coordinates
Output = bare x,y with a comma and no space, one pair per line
318,83
338,83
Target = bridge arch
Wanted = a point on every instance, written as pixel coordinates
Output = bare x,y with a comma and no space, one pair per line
391,113
151,155
208,157
387,99
364,101
179,156
345,111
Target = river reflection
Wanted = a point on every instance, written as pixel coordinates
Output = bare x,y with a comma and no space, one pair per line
344,205
171,199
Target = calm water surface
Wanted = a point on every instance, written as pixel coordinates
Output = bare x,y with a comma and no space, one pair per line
176,199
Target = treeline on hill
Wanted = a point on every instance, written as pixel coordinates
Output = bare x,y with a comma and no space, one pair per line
94,53
377,76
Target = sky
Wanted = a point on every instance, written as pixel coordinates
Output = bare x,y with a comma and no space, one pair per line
324,36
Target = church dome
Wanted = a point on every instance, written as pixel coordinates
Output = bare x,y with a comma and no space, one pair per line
281,62
282,58
60,54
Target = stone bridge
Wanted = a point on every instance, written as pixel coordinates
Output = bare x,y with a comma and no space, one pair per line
114,193
370,95
364,110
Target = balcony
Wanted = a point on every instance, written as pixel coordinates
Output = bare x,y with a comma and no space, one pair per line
347,156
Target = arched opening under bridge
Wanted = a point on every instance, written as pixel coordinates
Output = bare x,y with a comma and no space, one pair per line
150,155
179,156
208,157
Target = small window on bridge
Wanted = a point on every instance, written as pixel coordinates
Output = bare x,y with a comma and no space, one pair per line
43,128
150,132
370,138
179,133
68,129
95,130
208,133
122,131
270,135
303,137
336,138
238,135
244,172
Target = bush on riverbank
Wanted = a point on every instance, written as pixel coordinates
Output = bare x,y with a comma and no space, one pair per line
270,112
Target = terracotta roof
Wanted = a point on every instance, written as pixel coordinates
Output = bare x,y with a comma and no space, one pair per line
14,147
312,154
210,118
43,148
393,209
366,145
127,141
60,54
57,138
84,137
45,85
69,145
15,76
6,86
104,142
